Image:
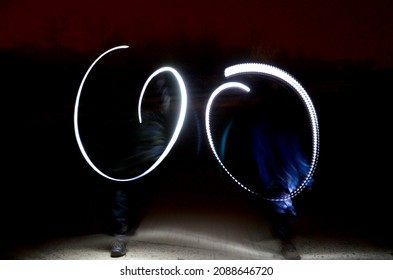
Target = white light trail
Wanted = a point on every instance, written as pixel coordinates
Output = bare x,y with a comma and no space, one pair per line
268,70
183,93
180,122
230,85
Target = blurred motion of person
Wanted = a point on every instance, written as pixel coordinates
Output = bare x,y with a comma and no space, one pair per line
267,153
282,167
138,148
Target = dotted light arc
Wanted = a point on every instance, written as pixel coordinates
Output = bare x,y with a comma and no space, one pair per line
220,89
179,125
272,71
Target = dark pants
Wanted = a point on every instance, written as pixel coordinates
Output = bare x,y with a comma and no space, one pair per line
283,224
126,209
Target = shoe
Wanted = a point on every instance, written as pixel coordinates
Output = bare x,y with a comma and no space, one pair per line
288,250
118,249
119,245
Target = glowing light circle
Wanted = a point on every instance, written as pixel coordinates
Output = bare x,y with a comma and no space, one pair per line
179,125
268,70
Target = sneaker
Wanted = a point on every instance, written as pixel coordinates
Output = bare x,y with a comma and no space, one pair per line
118,249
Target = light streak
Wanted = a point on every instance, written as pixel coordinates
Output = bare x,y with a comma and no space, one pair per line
272,71
179,125
180,122
230,85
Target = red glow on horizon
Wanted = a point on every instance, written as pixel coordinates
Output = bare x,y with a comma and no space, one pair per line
329,30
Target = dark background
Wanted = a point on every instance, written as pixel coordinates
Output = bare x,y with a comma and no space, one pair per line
340,52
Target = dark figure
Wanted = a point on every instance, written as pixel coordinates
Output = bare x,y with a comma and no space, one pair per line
138,148
282,167
264,150
126,210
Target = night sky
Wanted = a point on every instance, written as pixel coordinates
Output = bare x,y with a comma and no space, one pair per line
341,51
332,30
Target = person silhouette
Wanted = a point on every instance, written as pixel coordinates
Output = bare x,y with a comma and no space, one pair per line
271,159
138,148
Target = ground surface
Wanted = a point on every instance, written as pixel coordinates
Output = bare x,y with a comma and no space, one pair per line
226,230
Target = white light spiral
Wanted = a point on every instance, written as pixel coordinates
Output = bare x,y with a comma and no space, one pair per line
268,70
179,125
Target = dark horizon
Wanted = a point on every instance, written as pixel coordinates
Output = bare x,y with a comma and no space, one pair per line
314,30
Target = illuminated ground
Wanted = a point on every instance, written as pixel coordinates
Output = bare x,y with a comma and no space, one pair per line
227,231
